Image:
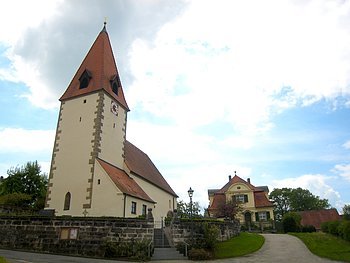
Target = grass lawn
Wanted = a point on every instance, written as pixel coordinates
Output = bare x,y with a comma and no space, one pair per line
2,260
326,245
243,244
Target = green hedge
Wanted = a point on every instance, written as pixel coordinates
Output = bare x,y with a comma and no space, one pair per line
337,228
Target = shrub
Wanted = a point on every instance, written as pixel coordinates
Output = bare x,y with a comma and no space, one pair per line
325,227
291,222
308,229
16,199
333,227
199,254
135,250
211,233
344,229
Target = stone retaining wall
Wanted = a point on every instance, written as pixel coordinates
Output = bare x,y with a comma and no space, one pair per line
184,230
70,235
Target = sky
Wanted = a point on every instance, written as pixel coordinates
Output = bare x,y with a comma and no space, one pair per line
257,87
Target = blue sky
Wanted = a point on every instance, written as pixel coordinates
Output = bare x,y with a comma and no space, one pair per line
257,87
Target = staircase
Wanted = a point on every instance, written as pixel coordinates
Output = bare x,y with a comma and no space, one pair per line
162,248
168,253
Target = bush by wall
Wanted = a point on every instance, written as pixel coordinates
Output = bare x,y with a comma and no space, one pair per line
337,228
200,254
308,229
291,222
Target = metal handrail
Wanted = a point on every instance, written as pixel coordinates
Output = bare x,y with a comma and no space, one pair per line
149,248
186,248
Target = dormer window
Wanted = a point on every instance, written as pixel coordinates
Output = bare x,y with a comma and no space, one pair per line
84,79
115,84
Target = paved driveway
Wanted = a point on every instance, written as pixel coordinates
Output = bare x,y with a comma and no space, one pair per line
277,248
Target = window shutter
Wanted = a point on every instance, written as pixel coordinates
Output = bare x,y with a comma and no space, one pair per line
245,198
256,216
267,215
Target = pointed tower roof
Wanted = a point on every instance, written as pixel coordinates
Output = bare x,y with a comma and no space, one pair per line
99,70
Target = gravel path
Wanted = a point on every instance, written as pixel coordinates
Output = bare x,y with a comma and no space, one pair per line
277,248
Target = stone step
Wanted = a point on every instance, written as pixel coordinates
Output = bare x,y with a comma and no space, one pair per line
167,253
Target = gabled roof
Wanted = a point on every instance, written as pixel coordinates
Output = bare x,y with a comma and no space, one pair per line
141,165
260,199
101,67
234,180
124,182
317,217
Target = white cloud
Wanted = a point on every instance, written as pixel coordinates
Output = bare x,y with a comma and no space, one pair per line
347,145
16,16
14,140
343,170
316,183
231,60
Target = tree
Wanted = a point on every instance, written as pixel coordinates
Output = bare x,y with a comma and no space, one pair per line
346,212
281,199
289,199
27,180
184,209
228,210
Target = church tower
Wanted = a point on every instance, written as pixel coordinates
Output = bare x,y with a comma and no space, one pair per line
91,127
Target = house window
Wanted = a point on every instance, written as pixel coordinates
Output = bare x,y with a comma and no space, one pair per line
133,208
144,210
241,198
262,216
67,201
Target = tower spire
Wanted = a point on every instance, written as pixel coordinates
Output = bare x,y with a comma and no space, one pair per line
104,25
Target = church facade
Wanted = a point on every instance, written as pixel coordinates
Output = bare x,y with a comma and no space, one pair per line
94,170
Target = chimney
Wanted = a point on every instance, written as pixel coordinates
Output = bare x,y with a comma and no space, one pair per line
248,180
229,178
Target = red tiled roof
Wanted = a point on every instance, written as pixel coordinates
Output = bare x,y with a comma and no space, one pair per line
100,62
219,200
124,182
261,200
317,217
141,165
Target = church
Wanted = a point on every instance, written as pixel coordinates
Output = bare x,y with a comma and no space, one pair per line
94,170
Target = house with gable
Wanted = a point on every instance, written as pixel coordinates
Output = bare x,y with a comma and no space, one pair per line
256,207
94,170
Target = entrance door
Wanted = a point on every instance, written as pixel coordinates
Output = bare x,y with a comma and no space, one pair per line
248,219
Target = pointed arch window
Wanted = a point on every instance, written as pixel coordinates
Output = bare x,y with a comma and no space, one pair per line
115,84
67,199
85,79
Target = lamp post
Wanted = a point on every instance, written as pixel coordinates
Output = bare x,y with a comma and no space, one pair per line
190,194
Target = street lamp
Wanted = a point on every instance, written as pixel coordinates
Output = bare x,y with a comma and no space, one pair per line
190,194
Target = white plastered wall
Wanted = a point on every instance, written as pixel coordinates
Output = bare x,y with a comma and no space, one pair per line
113,134
72,169
107,199
165,201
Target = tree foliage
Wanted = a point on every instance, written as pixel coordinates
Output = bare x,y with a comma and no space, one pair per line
289,199
228,210
184,209
346,212
23,182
